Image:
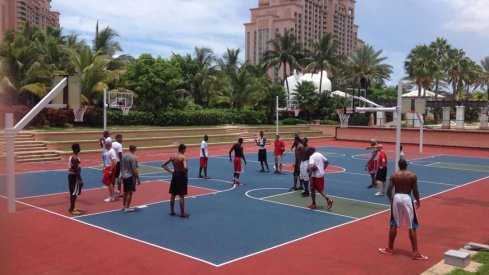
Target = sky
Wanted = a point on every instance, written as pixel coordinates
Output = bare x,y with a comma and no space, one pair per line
163,27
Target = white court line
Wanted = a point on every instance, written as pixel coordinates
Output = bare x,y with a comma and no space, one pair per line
452,168
117,233
300,207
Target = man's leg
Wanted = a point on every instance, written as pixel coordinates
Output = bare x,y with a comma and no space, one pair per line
183,214
72,202
128,200
392,236
172,204
414,241
200,172
205,171
124,200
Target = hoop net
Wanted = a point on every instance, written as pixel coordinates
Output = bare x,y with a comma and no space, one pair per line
296,112
343,117
125,110
79,112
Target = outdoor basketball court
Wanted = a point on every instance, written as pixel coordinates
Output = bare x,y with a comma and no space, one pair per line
231,223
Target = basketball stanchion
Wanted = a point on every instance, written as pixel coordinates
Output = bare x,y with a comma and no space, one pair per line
79,112
344,117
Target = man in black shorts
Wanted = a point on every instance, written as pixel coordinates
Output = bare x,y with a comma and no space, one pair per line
179,180
262,152
130,177
75,182
297,164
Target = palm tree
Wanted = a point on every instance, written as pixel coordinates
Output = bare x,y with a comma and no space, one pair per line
104,41
285,51
455,61
366,66
485,66
421,67
323,57
441,48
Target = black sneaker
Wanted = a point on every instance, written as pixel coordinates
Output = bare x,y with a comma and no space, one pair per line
305,194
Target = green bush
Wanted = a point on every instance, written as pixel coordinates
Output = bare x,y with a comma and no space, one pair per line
293,121
330,122
358,119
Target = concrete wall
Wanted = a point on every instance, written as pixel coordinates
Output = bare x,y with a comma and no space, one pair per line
473,139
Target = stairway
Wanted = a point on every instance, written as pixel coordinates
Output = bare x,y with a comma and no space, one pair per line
243,133
27,149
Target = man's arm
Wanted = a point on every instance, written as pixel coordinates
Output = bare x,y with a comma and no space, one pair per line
185,165
165,165
415,191
230,151
389,188
244,157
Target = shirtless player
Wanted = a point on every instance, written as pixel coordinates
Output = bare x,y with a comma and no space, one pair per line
179,180
402,209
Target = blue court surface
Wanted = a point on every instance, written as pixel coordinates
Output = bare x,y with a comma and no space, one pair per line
233,222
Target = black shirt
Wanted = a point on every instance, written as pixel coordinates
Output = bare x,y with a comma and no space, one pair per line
238,151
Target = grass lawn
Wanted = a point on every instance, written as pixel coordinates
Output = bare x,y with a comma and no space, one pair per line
480,257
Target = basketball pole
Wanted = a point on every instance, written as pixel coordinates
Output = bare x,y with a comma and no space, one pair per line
105,109
11,131
276,113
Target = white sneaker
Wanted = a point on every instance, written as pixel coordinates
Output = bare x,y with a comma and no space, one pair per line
129,209
109,199
378,194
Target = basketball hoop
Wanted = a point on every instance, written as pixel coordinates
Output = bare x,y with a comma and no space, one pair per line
343,117
296,111
79,112
125,110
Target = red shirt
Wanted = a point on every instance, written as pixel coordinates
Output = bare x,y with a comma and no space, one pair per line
382,159
278,144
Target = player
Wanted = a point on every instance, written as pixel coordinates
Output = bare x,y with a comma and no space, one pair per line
317,165
262,152
402,209
117,146
130,177
105,138
238,155
299,148
109,170
179,180
381,171
278,153
204,156
304,168
75,182
371,165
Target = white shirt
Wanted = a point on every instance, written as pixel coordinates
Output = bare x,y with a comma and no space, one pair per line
118,149
104,150
109,156
318,159
203,146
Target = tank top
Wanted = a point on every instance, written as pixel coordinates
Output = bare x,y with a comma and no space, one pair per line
70,165
261,143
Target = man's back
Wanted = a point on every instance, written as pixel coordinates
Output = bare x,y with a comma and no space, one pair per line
405,182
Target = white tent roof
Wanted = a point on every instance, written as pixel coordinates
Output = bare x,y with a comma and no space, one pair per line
414,93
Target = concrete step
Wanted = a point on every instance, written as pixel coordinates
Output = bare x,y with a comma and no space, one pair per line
30,149
39,159
36,152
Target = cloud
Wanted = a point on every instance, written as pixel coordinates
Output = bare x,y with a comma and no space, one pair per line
161,26
468,16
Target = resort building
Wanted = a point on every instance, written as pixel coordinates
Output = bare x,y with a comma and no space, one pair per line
13,13
306,19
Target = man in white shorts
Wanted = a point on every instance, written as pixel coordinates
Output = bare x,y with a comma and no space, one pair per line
402,208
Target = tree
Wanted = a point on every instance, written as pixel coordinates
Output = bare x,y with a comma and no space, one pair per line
485,67
366,66
154,80
322,58
285,51
307,97
441,48
104,41
421,67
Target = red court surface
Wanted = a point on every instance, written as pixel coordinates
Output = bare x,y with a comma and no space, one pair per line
34,241
91,201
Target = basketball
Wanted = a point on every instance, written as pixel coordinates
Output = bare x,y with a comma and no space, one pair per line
282,149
